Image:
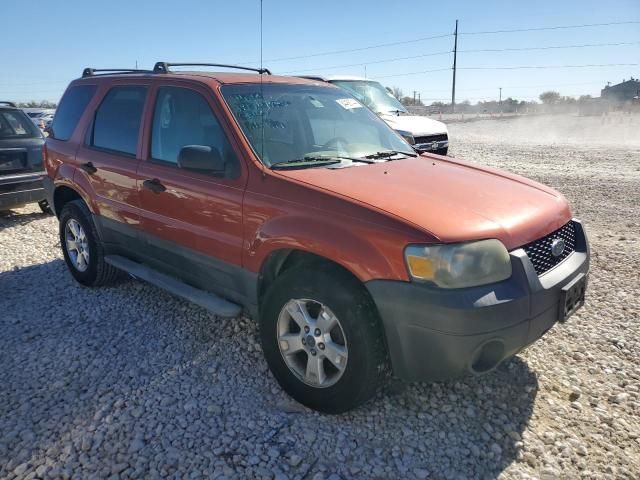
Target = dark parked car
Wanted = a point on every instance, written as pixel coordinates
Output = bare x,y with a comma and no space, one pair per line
21,154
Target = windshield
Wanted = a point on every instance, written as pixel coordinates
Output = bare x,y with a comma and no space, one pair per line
14,123
372,94
298,121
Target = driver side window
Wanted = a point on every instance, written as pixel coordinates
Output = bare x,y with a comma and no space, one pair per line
183,117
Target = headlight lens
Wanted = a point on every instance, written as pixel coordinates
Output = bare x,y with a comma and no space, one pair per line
407,136
459,265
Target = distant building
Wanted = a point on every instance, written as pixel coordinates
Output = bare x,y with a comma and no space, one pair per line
622,92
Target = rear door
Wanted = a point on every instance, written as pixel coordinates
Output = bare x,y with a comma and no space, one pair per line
192,221
108,161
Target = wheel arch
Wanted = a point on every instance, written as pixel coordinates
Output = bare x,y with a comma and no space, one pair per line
64,194
283,259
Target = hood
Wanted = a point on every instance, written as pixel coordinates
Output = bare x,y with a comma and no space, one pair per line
416,125
448,199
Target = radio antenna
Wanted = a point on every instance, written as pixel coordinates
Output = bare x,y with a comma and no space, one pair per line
261,103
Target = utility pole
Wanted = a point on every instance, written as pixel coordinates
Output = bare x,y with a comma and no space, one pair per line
455,54
414,97
500,101
419,102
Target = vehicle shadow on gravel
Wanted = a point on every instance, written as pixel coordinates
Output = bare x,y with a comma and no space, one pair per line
133,380
468,428
11,218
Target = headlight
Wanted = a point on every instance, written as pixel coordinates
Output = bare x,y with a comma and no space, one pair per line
407,136
459,265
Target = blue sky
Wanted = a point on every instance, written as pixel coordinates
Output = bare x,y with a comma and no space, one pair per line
46,44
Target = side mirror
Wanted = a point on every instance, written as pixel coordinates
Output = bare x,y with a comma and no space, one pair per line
201,158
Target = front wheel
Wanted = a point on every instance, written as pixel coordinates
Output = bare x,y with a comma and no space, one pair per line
322,339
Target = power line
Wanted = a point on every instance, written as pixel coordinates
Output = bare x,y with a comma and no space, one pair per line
559,27
515,68
444,35
370,63
550,47
415,73
492,50
520,67
511,87
369,47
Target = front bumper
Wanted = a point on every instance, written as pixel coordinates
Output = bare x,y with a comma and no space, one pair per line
438,334
20,189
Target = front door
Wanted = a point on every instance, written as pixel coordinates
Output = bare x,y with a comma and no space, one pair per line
192,221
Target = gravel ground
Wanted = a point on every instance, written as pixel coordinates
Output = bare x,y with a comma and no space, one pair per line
128,381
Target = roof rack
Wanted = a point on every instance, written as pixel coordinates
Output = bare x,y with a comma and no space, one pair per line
11,104
90,72
313,77
163,67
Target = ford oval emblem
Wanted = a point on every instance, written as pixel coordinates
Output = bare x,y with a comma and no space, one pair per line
557,247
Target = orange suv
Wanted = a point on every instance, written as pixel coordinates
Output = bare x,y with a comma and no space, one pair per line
289,199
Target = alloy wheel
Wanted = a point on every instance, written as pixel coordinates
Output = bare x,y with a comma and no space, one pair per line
77,245
312,342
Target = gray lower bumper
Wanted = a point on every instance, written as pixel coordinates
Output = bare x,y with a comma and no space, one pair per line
49,187
438,334
20,189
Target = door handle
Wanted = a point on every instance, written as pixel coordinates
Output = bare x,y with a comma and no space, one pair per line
154,185
89,168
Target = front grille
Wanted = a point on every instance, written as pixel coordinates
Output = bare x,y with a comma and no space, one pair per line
539,252
431,138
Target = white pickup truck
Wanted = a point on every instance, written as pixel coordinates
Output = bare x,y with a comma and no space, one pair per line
426,134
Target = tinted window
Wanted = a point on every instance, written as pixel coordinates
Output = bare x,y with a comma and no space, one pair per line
117,121
70,110
15,124
183,117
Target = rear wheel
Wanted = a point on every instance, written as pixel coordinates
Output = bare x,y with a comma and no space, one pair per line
81,246
322,338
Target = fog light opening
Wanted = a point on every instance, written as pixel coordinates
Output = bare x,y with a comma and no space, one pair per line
487,356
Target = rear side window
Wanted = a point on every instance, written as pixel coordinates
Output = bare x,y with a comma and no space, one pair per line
15,124
70,110
117,120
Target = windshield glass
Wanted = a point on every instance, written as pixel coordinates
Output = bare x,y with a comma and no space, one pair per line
372,94
14,123
298,121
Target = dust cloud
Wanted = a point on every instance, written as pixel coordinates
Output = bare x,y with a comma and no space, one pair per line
614,130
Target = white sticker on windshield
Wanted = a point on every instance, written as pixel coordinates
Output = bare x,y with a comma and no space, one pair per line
348,103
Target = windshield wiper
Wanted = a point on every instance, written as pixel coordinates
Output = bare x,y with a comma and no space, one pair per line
389,154
325,160
301,161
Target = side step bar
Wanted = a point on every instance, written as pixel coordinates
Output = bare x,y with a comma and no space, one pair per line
210,301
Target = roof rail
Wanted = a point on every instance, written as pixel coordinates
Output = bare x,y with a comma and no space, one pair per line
313,77
163,67
90,72
11,104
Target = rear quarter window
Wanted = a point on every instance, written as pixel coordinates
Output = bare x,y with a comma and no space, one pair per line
70,110
15,124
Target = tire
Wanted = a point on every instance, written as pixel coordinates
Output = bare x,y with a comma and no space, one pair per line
441,151
44,207
97,271
359,335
